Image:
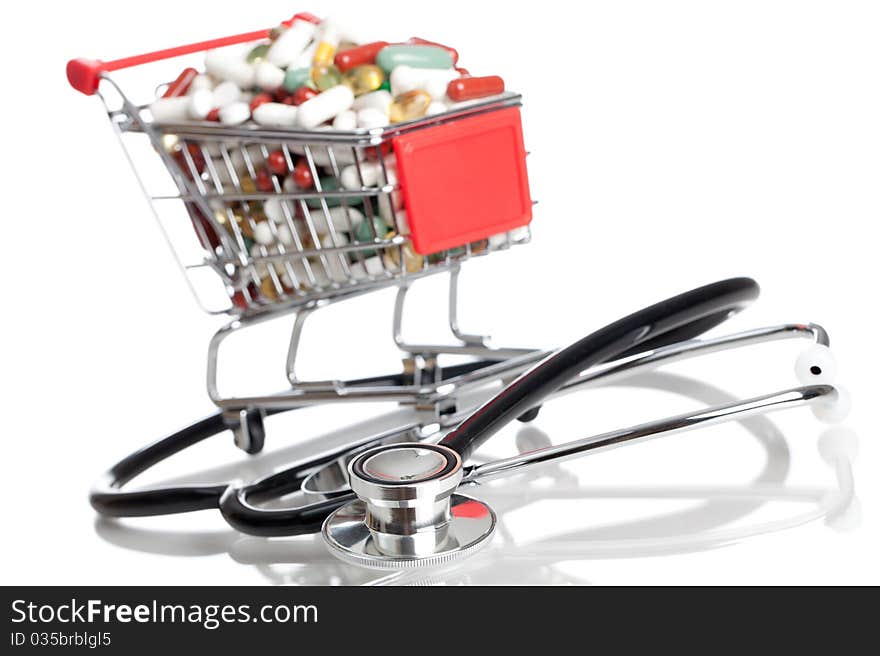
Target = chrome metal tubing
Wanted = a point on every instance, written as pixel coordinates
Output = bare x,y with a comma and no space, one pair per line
663,427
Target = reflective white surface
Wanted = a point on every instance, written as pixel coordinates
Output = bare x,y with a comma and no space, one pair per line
676,143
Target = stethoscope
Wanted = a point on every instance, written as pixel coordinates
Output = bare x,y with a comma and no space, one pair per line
401,505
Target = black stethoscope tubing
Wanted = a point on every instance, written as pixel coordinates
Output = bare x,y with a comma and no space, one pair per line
676,319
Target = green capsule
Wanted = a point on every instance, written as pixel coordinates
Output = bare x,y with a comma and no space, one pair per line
325,76
330,183
364,235
258,53
294,78
417,56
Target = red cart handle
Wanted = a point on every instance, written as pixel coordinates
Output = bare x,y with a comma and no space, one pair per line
85,74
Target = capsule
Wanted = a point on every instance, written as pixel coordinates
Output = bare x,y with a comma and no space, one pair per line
275,115
412,261
432,80
370,117
268,76
291,43
181,84
325,106
380,100
327,44
360,56
417,56
170,110
231,66
469,88
325,76
364,79
424,42
409,106
235,113
258,53
294,78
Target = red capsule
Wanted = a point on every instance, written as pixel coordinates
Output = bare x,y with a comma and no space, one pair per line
365,54
213,115
462,71
181,85
260,99
302,94
264,181
281,93
277,162
424,42
195,155
302,175
468,88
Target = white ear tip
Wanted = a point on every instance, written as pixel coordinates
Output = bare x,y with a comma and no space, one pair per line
816,366
838,442
833,408
848,518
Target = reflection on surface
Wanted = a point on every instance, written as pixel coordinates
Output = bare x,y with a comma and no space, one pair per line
707,524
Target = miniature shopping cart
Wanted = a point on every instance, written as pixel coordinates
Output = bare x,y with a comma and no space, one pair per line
444,189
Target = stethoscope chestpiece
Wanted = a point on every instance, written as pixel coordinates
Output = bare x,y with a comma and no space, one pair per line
408,513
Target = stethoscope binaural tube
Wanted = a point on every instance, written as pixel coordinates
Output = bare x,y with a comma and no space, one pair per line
704,307
678,318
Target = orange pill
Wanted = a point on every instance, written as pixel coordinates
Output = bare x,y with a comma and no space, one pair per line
468,88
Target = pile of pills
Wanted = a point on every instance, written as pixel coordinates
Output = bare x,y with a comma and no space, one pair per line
313,75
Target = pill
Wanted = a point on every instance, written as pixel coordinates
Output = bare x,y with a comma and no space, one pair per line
325,106
230,65
259,99
380,100
294,78
336,264
434,81
263,233
275,115
290,43
417,56
357,270
302,175
374,265
365,54
277,210
370,175
181,84
424,42
225,93
264,181
412,261
235,113
325,76
409,106
328,41
341,218
301,95
257,54
276,162
364,79
436,107
200,103
305,59
345,121
468,88
400,218
371,117
200,82
268,76
364,234
170,110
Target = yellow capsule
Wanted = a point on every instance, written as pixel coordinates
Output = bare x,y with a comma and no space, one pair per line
325,76
410,105
324,54
248,186
364,79
413,262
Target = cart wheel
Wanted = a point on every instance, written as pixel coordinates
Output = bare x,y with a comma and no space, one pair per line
529,415
249,432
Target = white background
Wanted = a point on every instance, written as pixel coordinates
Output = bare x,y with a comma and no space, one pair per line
672,144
